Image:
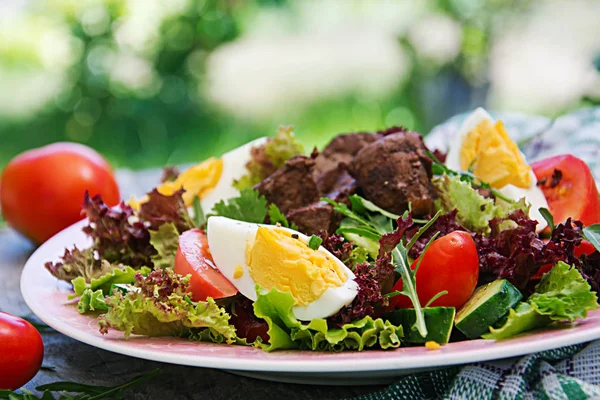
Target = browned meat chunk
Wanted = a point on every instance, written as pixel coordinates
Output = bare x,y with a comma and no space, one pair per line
295,191
394,171
291,186
319,217
342,149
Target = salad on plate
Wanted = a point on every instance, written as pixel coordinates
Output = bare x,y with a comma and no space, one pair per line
372,242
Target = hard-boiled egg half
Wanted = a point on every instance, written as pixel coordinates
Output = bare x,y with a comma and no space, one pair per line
483,146
276,257
212,179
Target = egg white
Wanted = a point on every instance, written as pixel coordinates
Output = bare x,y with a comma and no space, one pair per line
234,167
533,195
227,241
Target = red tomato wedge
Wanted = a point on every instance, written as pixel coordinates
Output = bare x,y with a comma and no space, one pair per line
194,258
574,195
451,263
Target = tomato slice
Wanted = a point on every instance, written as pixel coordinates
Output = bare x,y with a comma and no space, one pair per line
575,195
451,263
194,258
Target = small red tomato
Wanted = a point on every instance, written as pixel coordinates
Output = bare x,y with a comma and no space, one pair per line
575,195
451,263
194,258
41,190
21,351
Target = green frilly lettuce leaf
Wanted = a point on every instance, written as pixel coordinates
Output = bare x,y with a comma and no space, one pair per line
474,210
562,295
158,305
166,241
92,301
286,332
121,274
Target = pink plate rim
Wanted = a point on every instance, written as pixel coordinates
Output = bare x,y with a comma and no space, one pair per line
47,299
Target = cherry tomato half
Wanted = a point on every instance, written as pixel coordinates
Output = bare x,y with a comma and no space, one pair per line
451,263
41,190
21,351
194,258
575,195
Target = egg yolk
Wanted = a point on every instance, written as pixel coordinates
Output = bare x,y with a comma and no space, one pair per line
277,260
494,157
196,180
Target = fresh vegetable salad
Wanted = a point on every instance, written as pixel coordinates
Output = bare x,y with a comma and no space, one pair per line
373,241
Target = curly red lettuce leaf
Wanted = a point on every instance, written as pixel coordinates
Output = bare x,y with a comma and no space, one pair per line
118,237
161,209
337,245
518,253
374,280
445,224
75,263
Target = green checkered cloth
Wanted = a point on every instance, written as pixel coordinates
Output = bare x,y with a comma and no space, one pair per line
569,373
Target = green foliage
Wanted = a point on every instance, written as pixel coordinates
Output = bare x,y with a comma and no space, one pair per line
286,332
250,206
562,295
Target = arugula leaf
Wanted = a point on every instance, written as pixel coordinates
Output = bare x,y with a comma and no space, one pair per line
166,242
562,295
315,242
249,206
548,217
371,226
84,392
592,234
362,205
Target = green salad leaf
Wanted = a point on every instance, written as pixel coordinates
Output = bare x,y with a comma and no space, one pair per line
92,301
474,210
123,274
166,241
592,234
374,228
286,332
267,158
159,305
249,206
91,295
562,295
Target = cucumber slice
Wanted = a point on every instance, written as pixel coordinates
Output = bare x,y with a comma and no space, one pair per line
487,306
439,321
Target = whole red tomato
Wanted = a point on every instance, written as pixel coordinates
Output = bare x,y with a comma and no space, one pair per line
451,263
569,187
41,190
21,351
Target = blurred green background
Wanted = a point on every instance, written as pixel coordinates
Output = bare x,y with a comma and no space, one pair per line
155,82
